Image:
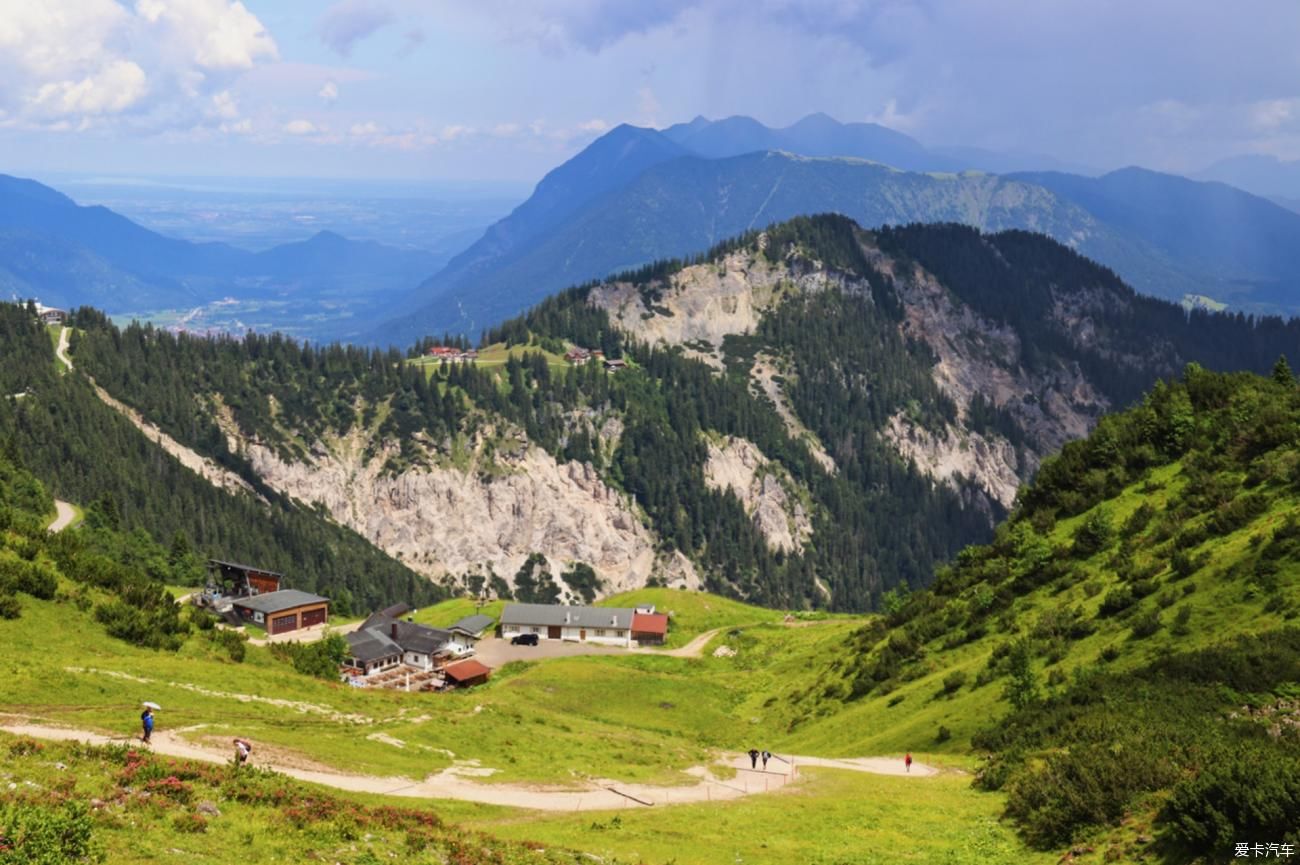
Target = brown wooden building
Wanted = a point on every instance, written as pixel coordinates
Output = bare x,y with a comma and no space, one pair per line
233,580
464,674
283,611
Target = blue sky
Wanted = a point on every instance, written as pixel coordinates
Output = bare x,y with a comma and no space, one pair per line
505,89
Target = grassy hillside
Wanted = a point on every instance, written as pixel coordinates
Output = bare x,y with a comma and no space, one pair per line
73,803
86,452
1133,629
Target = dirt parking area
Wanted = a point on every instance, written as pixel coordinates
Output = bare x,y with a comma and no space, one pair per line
496,652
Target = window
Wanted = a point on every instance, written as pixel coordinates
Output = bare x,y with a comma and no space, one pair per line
620,633
537,630
600,632
508,629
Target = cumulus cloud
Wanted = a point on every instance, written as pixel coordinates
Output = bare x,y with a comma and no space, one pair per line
300,127
347,22
329,92
161,62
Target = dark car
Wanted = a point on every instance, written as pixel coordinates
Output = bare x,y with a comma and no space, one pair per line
524,640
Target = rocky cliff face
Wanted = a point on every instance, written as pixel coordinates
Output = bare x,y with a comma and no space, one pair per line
700,305
766,490
450,521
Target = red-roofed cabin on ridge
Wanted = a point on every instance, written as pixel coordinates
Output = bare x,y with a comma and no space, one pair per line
649,628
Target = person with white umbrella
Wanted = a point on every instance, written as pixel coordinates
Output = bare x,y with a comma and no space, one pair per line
146,721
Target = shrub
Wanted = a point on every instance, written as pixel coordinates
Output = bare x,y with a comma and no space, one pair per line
1094,534
1247,794
47,834
1182,622
10,608
943,735
1109,653
190,823
1146,624
953,682
1116,601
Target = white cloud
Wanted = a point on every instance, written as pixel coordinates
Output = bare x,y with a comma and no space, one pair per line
451,133
112,89
224,106
506,130
365,130
594,126
165,63
300,127
329,92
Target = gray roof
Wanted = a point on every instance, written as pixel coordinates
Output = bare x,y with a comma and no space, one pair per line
552,615
275,602
238,567
473,625
409,637
371,645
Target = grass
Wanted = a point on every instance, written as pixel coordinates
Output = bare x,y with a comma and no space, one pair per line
156,810
830,817
496,355
639,718
909,717
449,612
693,613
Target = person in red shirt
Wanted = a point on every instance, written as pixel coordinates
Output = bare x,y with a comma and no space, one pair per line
907,761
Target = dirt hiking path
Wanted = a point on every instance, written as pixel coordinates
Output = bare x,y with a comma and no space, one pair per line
64,515
457,781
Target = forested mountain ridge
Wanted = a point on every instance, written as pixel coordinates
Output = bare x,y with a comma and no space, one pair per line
812,415
88,453
639,195
1126,651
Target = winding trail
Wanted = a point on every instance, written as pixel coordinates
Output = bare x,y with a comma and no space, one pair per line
457,781
61,350
64,514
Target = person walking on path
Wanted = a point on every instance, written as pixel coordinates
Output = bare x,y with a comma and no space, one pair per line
243,748
907,761
146,723
767,755
753,758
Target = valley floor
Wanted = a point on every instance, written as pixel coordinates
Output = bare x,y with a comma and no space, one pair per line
456,782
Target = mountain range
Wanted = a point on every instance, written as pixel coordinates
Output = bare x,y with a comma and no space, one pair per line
637,195
69,255
812,415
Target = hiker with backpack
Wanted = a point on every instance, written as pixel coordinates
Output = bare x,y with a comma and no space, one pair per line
753,758
767,755
243,748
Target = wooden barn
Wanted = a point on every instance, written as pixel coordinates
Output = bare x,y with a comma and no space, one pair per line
233,580
466,674
283,611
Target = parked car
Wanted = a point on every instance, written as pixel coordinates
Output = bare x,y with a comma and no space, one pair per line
524,640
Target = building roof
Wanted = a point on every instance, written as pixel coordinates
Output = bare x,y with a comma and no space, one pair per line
238,567
552,615
276,602
464,670
408,636
473,625
396,611
650,623
371,645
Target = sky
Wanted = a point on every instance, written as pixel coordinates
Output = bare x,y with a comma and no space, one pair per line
506,89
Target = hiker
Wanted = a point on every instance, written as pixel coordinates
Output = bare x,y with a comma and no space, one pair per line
767,755
243,748
907,761
146,721
753,758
